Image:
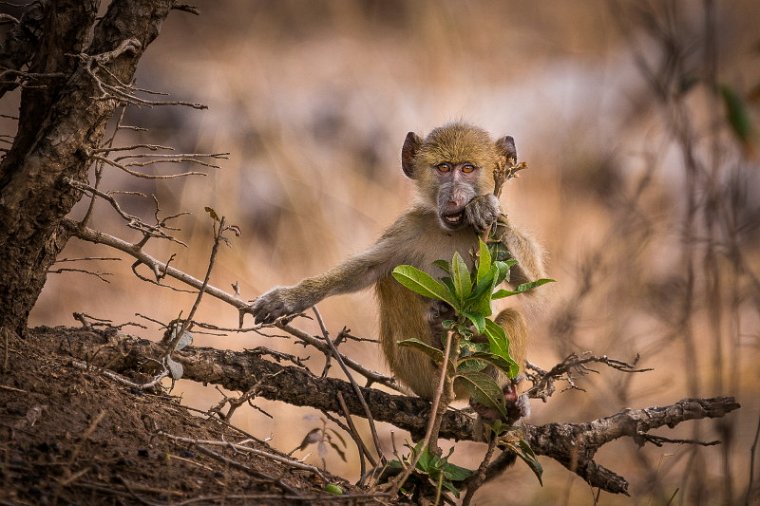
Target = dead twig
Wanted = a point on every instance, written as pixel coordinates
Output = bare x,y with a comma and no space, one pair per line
480,475
543,381
357,390
219,229
291,463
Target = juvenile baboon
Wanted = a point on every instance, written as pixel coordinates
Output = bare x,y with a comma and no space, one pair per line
453,171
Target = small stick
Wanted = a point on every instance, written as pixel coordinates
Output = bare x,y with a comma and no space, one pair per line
501,175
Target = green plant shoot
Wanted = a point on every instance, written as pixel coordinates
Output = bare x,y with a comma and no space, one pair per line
481,342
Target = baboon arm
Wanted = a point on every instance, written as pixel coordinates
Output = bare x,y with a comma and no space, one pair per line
524,249
356,273
366,268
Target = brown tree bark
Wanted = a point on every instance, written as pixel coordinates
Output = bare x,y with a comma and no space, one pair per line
59,125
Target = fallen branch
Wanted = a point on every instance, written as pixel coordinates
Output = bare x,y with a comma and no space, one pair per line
571,444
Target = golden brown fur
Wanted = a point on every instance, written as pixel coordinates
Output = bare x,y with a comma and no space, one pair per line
454,201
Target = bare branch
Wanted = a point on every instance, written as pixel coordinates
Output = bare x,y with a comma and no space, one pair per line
88,234
480,475
247,449
100,275
572,444
187,8
357,390
152,147
121,379
142,174
114,88
90,322
219,229
133,222
62,260
364,452
543,381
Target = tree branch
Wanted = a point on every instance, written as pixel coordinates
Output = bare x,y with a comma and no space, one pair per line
571,444
161,269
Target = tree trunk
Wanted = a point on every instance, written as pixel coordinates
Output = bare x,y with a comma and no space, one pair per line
59,125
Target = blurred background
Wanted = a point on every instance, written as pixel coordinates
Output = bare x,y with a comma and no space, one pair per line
635,118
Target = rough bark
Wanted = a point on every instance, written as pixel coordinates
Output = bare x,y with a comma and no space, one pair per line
574,445
58,127
20,44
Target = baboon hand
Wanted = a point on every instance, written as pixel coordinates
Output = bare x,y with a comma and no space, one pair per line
517,406
275,303
482,211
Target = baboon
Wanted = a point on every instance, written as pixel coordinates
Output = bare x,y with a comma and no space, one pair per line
453,172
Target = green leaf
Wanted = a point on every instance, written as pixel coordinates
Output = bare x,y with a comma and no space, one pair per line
449,284
498,251
422,283
460,275
497,339
395,464
332,488
525,287
498,427
526,453
483,290
454,472
506,365
431,351
426,462
468,347
504,270
470,365
463,330
736,114
534,284
451,488
484,261
443,265
484,390
484,307
477,319
498,342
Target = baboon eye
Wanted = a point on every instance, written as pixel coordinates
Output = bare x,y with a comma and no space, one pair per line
467,168
443,167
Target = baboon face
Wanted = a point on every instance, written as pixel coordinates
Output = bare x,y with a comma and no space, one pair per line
457,185
452,166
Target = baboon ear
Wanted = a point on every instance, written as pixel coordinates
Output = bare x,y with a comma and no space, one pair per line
506,147
411,144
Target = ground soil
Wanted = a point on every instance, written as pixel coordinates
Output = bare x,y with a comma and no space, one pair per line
73,436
